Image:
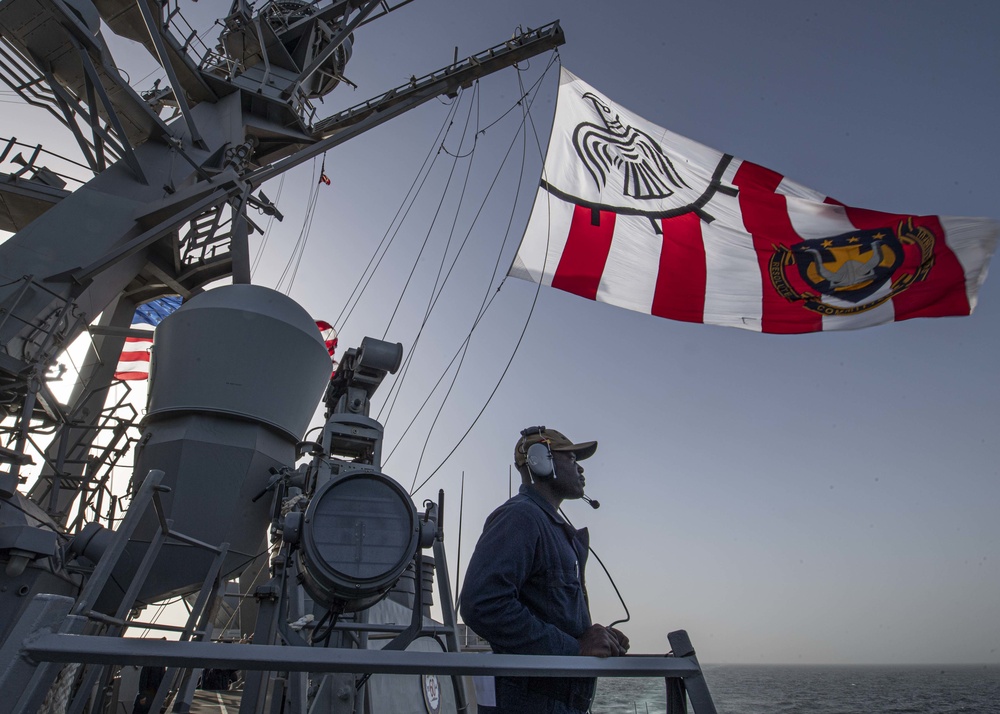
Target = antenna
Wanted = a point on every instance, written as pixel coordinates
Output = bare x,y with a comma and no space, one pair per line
458,558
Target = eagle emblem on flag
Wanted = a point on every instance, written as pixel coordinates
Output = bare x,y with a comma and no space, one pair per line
852,272
613,160
648,171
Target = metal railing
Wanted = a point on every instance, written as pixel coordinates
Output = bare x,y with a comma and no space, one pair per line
681,671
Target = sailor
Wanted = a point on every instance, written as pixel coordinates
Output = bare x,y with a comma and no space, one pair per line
150,678
525,590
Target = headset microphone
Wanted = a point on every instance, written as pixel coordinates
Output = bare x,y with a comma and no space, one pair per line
591,502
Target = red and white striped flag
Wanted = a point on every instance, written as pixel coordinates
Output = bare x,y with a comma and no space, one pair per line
329,339
633,215
134,361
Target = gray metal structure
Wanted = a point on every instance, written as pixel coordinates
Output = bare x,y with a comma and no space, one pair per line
349,559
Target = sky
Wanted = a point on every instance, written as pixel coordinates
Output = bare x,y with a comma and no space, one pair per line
825,498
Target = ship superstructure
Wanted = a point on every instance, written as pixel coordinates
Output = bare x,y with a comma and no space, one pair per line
236,375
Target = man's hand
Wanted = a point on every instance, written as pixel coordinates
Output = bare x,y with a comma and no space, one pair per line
622,639
601,641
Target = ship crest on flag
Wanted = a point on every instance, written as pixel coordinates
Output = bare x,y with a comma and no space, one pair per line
862,268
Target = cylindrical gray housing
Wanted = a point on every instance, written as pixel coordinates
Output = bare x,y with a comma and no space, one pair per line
214,466
243,350
237,374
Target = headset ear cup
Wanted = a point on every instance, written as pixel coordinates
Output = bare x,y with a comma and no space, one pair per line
539,460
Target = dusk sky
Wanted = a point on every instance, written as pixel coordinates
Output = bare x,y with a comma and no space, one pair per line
825,498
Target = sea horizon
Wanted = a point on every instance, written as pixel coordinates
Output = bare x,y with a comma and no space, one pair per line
849,664
803,688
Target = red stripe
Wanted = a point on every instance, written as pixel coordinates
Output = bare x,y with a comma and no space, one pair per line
131,376
586,253
765,215
140,339
680,282
942,293
129,356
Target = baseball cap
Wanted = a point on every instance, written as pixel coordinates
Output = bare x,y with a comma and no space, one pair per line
557,442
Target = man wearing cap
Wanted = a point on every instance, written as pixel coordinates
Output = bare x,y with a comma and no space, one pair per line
525,590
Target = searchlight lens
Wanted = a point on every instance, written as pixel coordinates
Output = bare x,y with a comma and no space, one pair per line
358,535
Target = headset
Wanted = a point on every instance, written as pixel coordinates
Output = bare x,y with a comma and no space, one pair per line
538,457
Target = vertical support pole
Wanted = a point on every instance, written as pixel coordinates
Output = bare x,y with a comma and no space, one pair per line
198,622
298,682
255,683
239,240
63,437
449,620
676,696
95,128
24,426
361,703
185,691
696,686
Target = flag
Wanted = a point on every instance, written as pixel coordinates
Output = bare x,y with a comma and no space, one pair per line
134,361
329,336
330,340
633,215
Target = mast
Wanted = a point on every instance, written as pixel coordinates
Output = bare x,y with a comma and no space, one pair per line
166,210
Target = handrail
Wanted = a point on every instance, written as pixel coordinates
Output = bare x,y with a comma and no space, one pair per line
124,651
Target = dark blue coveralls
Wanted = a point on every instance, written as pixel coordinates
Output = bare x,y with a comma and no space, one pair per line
525,593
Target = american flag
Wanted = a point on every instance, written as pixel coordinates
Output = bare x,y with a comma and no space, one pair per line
134,361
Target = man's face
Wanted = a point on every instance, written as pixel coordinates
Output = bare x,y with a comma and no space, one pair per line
569,481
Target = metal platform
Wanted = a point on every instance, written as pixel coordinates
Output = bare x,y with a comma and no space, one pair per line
68,50
24,200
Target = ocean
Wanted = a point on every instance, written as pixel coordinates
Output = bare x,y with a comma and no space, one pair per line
803,689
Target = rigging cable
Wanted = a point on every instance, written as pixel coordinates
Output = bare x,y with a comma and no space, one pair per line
267,229
520,338
398,383
432,301
522,130
483,307
432,155
267,561
492,185
402,377
430,228
434,152
300,245
524,94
